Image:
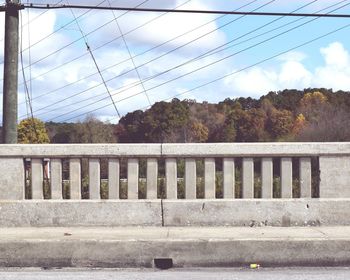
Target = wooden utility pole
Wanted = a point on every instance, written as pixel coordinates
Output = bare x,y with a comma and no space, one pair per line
10,87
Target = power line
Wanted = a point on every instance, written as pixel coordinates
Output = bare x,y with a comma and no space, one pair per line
101,46
130,55
95,62
53,32
227,75
158,57
193,71
144,52
81,38
64,6
34,129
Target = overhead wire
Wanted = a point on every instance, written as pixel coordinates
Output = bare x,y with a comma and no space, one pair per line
54,32
31,21
139,54
158,57
227,75
192,11
55,52
127,87
130,55
95,63
193,71
97,48
34,130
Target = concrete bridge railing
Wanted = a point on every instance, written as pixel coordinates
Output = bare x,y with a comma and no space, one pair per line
304,174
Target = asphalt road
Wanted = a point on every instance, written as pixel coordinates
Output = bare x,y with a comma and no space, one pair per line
193,274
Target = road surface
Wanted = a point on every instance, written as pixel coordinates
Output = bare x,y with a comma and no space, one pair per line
193,274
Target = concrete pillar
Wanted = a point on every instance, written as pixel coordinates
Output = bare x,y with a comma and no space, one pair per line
94,178
171,178
229,178
209,184
334,176
266,178
75,178
133,178
152,178
37,179
248,178
56,178
190,178
305,177
286,178
113,178
12,179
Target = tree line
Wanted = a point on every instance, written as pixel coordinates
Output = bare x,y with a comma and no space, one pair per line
288,115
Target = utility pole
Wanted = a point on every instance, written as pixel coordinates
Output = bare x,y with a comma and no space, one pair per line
10,87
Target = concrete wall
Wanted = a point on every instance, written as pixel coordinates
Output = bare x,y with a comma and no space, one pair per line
176,213
334,164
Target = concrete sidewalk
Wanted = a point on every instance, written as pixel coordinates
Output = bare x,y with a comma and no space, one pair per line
186,246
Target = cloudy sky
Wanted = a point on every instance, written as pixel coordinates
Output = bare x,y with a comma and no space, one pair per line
188,56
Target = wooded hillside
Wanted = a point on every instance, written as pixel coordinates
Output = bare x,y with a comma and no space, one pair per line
289,115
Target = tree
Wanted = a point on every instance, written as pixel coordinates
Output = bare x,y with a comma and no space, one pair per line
250,125
197,132
131,128
92,130
312,105
32,131
167,122
280,123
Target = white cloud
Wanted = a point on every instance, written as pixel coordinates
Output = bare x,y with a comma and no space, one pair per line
336,71
292,73
336,56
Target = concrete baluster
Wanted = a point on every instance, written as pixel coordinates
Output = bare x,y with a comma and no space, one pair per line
94,178
37,179
286,178
266,178
248,177
152,178
305,177
171,178
190,178
133,178
209,183
113,178
229,177
56,178
75,178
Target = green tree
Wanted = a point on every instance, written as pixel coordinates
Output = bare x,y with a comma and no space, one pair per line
92,130
130,128
32,131
167,122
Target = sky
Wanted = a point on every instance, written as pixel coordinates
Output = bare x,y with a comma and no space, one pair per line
139,58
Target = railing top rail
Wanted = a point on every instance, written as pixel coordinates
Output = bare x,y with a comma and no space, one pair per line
285,149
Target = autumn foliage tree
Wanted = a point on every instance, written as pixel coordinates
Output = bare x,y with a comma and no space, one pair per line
32,131
288,115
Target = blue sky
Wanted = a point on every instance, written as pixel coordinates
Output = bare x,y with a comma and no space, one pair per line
166,48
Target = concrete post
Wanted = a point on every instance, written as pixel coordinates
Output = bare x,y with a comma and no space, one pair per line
190,178
334,177
152,178
113,178
229,177
267,178
10,85
248,177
